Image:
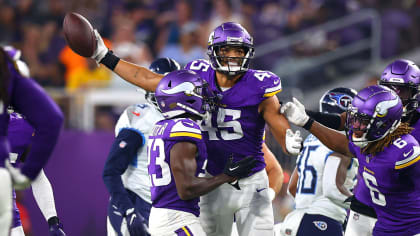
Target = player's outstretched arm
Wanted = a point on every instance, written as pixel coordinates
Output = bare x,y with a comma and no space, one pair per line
289,141
336,141
333,121
130,72
44,197
274,171
184,166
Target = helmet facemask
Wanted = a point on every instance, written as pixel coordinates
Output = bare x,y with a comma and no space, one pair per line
230,65
408,94
363,129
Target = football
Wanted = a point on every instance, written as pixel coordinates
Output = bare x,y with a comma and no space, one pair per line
79,34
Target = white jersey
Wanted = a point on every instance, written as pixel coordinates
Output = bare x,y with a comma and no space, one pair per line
310,195
141,117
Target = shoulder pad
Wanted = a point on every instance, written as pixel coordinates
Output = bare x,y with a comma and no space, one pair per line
409,151
268,81
200,65
185,128
140,117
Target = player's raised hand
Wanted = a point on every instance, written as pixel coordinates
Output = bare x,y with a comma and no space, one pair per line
55,227
240,169
293,142
295,112
20,181
136,224
101,49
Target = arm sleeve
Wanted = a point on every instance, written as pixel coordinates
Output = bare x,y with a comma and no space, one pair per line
44,116
329,184
332,121
44,196
122,152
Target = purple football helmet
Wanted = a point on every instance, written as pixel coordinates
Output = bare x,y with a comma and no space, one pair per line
336,100
184,91
233,34
376,111
403,76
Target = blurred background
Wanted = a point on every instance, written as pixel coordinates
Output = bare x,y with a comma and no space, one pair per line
313,45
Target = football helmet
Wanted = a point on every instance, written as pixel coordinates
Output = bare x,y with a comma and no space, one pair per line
184,91
161,66
230,34
403,76
376,111
336,100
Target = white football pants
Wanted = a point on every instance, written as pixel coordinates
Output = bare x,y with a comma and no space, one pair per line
251,207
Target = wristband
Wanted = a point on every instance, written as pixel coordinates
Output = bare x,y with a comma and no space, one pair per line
110,60
308,124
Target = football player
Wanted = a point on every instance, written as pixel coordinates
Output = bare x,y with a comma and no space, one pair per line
20,133
125,177
44,116
178,156
319,178
246,103
388,153
402,76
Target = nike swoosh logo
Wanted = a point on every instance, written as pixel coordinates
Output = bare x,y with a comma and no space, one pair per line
136,113
406,154
277,82
261,189
234,168
132,218
190,124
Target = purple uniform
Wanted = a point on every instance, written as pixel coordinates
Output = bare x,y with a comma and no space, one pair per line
19,135
391,178
164,136
237,128
361,191
29,99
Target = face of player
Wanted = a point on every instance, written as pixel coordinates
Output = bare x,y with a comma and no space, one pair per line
359,125
403,92
231,55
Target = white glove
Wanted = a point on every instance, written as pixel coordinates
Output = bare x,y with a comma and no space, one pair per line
295,112
101,49
293,142
20,181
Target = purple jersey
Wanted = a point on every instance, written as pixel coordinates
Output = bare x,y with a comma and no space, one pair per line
361,191
29,99
165,134
391,178
20,135
236,128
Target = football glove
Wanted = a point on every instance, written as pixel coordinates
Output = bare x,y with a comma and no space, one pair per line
293,142
55,227
101,49
20,181
240,169
295,112
136,224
